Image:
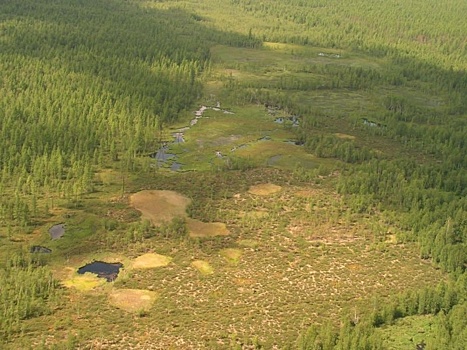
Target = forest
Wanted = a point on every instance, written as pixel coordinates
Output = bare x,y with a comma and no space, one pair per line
373,96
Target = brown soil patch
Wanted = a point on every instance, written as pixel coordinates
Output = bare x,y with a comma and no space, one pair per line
132,300
150,260
264,189
198,228
160,206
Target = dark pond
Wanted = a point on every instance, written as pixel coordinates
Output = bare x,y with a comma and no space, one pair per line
57,231
109,271
40,249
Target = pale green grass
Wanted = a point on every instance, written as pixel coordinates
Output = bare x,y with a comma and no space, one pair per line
203,267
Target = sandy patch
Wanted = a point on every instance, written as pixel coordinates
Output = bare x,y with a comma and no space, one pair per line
198,228
151,260
203,267
132,300
264,189
231,255
160,206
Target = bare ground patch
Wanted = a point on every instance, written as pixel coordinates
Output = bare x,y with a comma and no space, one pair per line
160,206
198,228
132,300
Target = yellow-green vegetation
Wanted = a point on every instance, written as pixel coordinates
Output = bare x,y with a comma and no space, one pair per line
203,267
132,300
85,282
231,255
298,166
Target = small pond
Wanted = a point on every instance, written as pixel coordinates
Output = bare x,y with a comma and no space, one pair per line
109,271
57,231
296,143
161,155
372,123
178,137
176,166
293,119
40,249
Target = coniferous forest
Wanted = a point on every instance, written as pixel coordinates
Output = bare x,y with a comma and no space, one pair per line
356,111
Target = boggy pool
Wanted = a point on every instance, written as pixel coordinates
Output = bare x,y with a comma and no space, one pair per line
102,269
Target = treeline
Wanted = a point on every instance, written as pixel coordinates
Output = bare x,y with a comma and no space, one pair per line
27,288
448,329
432,31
